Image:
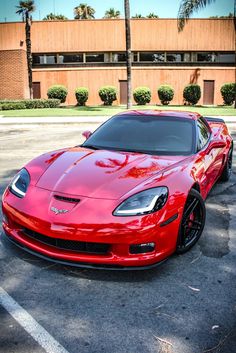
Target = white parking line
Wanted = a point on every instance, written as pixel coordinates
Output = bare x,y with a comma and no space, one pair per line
40,335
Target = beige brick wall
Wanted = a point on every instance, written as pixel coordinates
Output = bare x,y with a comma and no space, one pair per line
13,74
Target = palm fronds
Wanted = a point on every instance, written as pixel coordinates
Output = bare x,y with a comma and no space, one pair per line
187,8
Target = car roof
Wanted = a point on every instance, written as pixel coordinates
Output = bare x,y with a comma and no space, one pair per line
163,113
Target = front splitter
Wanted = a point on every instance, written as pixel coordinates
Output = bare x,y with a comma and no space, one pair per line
83,264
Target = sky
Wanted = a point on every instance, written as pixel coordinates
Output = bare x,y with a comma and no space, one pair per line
164,9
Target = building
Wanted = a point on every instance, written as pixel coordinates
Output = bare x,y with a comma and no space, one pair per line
91,53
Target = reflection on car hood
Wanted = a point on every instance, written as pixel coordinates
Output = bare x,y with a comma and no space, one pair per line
101,174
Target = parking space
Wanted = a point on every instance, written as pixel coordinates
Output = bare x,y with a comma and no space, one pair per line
187,305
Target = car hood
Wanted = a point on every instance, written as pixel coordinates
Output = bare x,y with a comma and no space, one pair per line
99,173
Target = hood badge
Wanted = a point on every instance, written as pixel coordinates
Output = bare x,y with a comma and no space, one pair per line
57,211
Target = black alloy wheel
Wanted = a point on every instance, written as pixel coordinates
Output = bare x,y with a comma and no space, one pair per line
227,171
193,221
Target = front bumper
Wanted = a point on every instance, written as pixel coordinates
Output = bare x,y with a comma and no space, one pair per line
84,265
118,232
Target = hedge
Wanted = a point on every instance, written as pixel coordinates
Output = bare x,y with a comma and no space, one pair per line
192,94
29,104
108,94
81,95
142,95
228,92
58,92
165,94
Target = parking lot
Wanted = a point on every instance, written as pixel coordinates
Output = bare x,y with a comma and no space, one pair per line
186,305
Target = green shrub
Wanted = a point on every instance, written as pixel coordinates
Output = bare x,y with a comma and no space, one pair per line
165,94
142,95
58,92
13,106
108,94
51,103
42,103
228,92
29,104
192,94
81,95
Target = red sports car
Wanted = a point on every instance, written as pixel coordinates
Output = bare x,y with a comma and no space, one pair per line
131,195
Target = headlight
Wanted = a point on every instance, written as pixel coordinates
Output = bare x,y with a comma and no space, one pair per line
20,183
144,202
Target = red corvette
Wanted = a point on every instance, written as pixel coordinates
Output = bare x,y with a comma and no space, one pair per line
131,195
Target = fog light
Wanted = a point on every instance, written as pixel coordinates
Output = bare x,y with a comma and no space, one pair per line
141,248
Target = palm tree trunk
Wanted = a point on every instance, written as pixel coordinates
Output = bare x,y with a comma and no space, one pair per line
28,53
128,53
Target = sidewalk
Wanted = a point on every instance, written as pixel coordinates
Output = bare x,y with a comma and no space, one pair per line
75,120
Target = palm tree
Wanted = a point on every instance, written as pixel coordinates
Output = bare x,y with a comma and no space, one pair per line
138,15
187,8
51,17
128,53
152,15
25,8
112,13
84,12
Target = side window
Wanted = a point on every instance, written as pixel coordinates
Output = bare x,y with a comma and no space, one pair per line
203,134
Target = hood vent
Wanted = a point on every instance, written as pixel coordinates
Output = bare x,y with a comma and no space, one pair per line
66,199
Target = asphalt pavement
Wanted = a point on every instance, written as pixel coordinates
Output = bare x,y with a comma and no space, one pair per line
187,305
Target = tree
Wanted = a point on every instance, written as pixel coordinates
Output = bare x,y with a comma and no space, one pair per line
230,15
112,13
128,53
84,12
152,15
51,17
138,15
25,8
188,7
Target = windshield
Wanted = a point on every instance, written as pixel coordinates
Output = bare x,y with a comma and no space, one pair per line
146,134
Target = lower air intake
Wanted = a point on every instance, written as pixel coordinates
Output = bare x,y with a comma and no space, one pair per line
73,245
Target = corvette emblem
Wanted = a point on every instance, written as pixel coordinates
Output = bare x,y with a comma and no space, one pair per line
57,211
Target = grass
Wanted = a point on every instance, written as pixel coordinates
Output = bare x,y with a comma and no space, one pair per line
111,110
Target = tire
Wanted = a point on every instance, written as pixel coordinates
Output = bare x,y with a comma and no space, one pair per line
192,223
227,171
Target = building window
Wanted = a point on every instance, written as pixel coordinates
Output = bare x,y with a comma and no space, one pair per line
95,58
118,57
44,59
50,59
151,57
171,58
38,59
70,58
207,57
177,57
135,56
187,57
226,58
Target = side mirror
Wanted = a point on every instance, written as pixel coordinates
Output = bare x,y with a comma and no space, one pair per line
87,134
215,144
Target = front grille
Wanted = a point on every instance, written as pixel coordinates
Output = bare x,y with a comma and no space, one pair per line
67,199
73,245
